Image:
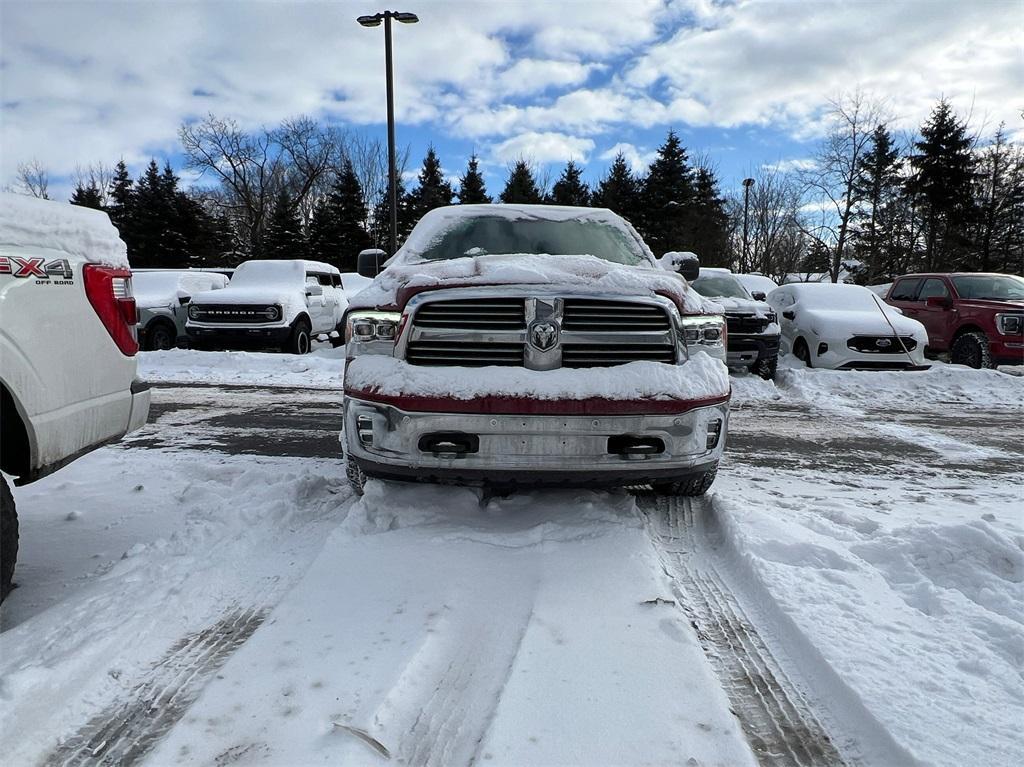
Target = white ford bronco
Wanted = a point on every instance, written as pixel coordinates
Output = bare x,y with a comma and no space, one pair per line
270,304
67,346
513,345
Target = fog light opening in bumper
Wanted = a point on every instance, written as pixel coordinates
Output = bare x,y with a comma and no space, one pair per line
822,349
635,448
449,444
714,433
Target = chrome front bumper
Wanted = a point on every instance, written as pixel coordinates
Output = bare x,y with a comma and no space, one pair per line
531,449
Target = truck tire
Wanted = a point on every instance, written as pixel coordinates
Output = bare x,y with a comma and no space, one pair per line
356,477
8,539
298,342
693,486
972,349
160,336
766,367
802,352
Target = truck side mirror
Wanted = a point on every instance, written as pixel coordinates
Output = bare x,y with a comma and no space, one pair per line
684,262
370,262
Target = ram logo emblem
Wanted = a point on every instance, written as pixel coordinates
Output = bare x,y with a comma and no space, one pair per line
543,335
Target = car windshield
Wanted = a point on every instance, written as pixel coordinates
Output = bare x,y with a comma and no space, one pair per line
993,287
498,235
837,297
715,285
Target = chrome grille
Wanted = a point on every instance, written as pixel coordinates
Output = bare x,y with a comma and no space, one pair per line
474,314
464,354
612,316
605,355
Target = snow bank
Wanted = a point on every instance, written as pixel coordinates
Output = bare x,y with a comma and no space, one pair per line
322,369
702,377
26,222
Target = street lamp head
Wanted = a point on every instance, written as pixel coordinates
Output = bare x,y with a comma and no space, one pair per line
370,21
405,18
748,182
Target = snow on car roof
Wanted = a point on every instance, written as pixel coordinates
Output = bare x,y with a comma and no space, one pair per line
436,222
26,222
827,295
261,271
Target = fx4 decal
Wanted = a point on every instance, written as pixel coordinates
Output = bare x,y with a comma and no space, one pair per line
36,267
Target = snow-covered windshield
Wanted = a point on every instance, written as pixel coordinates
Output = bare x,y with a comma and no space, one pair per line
261,273
499,235
716,285
838,297
993,287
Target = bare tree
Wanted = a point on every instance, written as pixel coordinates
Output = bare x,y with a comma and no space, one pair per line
832,181
778,244
96,176
34,179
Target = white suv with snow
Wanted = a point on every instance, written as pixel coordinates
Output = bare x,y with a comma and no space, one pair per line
67,346
278,304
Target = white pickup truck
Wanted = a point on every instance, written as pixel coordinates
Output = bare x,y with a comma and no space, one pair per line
67,346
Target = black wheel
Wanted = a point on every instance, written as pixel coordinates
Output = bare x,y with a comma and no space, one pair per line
693,486
299,342
8,539
766,367
160,336
802,352
340,340
972,349
356,476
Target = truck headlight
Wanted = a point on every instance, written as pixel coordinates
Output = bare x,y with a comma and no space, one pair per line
704,330
1010,324
366,327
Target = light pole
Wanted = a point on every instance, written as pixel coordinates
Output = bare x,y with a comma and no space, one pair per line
375,21
747,183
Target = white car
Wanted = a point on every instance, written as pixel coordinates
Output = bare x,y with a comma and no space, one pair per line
162,296
279,304
757,283
846,327
67,346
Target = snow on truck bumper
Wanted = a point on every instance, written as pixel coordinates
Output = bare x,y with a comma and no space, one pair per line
534,431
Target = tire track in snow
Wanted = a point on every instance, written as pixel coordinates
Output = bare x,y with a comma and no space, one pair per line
776,719
125,732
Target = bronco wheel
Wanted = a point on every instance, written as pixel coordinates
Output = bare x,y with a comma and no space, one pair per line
972,349
802,352
693,486
8,539
160,336
298,343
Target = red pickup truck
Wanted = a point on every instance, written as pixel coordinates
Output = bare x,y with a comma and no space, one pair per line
977,317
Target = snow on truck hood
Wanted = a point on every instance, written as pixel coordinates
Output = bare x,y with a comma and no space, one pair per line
582,274
26,222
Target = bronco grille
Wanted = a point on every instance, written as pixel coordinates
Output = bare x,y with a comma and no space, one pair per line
497,331
232,313
745,324
881,344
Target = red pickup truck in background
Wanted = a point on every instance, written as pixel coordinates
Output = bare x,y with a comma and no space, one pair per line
977,317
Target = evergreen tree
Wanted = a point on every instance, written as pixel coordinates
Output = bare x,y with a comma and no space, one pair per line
121,195
1000,203
878,185
521,187
942,184
154,238
706,226
433,190
471,185
337,232
382,217
283,237
667,198
619,190
87,196
570,189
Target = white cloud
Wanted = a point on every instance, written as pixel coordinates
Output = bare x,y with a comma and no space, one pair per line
639,160
543,148
790,165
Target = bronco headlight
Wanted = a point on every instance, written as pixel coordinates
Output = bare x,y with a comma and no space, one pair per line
193,312
704,330
363,327
272,313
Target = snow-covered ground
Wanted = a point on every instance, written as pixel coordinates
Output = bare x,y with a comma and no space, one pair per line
212,592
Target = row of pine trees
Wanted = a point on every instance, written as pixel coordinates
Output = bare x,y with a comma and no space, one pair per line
673,205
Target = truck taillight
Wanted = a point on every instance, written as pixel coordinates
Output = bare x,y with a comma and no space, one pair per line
109,290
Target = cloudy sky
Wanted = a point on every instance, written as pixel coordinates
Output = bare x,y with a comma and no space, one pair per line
744,82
